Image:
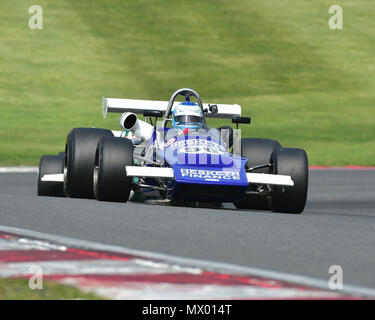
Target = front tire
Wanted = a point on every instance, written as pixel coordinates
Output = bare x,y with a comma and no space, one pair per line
109,178
50,165
258,151
79,160
292,162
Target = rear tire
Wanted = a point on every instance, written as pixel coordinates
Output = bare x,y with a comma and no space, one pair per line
109,178
80,151
50,165
258,151
293,162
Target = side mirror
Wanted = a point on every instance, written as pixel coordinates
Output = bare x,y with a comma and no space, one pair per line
152,113
213,108
245,120
238,120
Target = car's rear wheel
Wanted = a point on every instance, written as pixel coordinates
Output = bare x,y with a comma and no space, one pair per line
109,178
258,151
50,165
80,151
292,162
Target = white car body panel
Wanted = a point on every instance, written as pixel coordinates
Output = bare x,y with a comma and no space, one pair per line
149,172
58,177
271,179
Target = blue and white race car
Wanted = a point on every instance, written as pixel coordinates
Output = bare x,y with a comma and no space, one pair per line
177,159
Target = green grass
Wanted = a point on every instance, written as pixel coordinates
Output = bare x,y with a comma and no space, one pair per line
18,289
302,83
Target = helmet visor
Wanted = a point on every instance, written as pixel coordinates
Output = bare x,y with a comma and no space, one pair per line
188,119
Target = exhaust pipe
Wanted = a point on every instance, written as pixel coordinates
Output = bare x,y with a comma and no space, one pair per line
139,129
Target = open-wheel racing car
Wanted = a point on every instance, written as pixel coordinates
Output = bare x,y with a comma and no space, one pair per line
178,159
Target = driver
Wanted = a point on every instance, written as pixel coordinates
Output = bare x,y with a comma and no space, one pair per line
187,116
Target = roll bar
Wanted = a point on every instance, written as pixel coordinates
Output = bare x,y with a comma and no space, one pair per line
186,92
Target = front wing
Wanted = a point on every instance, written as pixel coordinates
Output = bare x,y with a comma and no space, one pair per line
257,178
157,172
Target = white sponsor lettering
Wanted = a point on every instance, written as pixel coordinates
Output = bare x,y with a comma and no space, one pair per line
211,175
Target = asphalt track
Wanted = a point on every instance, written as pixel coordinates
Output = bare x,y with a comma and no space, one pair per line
336,228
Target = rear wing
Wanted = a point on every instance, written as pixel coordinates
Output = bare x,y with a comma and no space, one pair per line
224,111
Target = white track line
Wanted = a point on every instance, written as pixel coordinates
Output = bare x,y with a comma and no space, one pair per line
18,169
207,265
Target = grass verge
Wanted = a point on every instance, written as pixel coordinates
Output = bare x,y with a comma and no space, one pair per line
302,83
18,289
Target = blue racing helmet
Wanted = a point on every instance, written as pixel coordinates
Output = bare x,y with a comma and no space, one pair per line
187,115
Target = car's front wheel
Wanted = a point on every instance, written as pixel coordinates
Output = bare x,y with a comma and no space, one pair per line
109,178
79,160
292,162
258,151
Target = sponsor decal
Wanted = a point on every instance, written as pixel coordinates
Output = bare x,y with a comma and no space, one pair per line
210,175
171,141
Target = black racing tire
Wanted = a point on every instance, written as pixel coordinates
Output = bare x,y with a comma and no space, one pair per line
109,178
292,162
50,165
80,152
258,151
